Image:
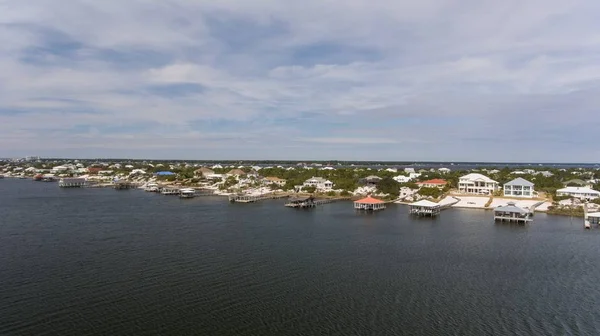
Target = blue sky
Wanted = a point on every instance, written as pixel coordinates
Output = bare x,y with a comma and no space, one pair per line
514,80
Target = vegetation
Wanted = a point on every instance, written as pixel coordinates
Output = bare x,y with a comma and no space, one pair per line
566,211
431,192
389,186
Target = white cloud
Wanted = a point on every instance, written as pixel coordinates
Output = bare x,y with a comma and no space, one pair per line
433,73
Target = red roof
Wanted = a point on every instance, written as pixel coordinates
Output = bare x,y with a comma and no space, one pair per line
369,200
434,181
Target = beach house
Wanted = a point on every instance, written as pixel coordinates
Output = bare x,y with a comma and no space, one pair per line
519,187
582,193
275,180
476,183
435,183
319,183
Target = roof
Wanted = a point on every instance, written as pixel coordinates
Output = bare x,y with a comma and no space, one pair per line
520,181
511,207
373,177
576,181
434,181
274,179
236,172
369,200
578,190
204,170
425,203
477,177
165,173
594,214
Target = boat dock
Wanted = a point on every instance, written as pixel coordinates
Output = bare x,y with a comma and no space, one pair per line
511,213
72,182
254,198
124,185
309,202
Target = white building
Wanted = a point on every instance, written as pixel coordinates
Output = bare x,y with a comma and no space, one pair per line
519,187
475,183
444,170
409,170
583,193
319,183
401,179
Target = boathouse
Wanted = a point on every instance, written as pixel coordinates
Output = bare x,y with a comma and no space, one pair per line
301,202
425,208
369,204
512,213
72,182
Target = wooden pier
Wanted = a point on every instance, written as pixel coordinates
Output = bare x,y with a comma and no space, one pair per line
124,185
254,198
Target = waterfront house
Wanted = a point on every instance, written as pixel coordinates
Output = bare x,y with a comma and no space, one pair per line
435,183
369,204
519,187
275,180
582,193
476,183
319,183
512,213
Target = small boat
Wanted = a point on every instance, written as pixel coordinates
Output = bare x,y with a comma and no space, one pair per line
151,187
187,193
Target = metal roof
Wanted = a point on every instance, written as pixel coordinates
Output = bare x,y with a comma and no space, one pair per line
511,207
520,182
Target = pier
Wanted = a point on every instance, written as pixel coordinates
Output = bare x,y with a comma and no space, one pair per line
425,208
369,204
254,198
123,185
72,182
512,213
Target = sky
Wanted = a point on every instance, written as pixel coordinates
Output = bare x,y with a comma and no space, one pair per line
397,80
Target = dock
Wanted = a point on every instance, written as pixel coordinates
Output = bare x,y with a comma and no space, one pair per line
254,198
72,182
512,213
425,208
124,185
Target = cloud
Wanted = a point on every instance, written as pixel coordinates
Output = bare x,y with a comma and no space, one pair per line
395,80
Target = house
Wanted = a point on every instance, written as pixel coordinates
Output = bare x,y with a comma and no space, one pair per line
413,176
236,172
391,170
370,180
476,183
519,187
409,170
582,193
546,173
275,180
203,171
319,183
60,168
577,183
401,179
435,183
444,170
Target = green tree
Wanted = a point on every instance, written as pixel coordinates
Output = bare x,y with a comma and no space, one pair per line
389,186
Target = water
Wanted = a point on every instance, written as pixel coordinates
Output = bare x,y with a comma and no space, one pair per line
106,262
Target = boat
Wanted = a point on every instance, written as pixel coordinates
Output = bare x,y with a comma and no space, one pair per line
187,193
151,187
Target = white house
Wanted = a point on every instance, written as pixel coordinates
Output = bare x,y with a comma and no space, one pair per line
475,183
401,179
409,170
319,183
583,193
519,187
60,168
444,170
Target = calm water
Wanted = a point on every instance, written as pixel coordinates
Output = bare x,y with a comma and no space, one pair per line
106,262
